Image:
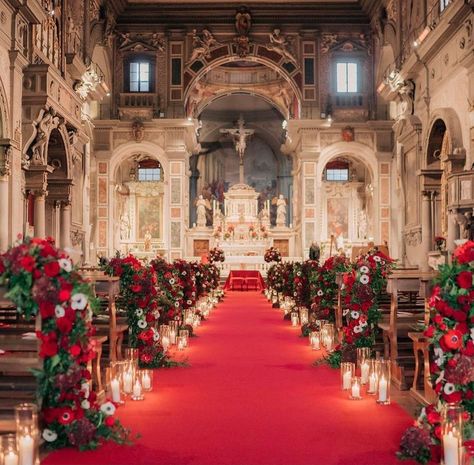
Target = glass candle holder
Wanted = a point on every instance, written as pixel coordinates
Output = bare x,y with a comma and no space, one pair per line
146,378
452,435
321,324
355,392
383,385
27,434
128,377
181,342
137,391
363,353
131,354
373,377
185,334
9,450
173,331
294,319
328,336
364,371
114,386
347,373
315,340
303,315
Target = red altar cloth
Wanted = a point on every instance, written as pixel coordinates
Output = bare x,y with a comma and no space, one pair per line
244,280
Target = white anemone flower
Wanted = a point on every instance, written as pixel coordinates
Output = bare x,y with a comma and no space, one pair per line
377,258
363,324
85,404
139,312
176,304
156,336
320,293
449,388
59,311
108,408
357,329
142,324
49,435
65,264
79,301
364,269
472,334
364,279
355,314
172,281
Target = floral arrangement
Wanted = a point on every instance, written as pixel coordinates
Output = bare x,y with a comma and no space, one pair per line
324,290
263,232
272,255
41,280
139,298
362,287
188,279
216,255
299,280
451,334
440,243
275,277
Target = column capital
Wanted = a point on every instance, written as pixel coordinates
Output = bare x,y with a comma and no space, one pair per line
426,194
39,192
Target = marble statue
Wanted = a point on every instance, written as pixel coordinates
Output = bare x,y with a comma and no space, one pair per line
280,44
340,243
125,227
47,121
281,211
201,205
362,225
147,239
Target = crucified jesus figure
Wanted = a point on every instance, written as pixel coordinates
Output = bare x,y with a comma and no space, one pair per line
240,136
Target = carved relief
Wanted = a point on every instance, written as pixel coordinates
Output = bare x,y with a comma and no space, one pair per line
43,125
5,160
413,237
152,42
243,23
202,45
281,44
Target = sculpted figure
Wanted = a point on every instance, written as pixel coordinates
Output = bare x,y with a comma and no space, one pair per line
281,211
279,43
201,205
46,123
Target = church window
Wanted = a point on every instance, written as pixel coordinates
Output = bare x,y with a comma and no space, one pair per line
149,170
309,71
347,77
337,171
139,76
443,4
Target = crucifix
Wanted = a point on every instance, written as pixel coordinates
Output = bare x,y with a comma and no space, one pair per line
240,136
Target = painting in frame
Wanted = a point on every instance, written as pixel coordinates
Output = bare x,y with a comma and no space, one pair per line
149,216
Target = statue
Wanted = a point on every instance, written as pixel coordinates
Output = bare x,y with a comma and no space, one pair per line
218,218
200,48
147,239
314,251
201,206
243,21
47,121
138,130
125,227
280,44
362,225
265,216
281,211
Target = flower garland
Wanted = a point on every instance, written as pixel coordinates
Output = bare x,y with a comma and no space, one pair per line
362,287
216,255
451,335
272,255
139,298
188,279
40,279
324,291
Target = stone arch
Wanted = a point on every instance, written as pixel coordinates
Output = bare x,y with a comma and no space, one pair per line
271,60
4,112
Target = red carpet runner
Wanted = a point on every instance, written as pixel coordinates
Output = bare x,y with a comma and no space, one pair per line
250,397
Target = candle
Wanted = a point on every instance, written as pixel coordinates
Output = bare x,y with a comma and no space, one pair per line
315,342
356,390
451,449
137,389
346,380
382,390
372,382
127,382
329,344
146,381
115,388
26,445
364,375
10,458
165,342
173,337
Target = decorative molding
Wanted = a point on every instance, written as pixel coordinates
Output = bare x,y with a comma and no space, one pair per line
77,237
5,160
413,236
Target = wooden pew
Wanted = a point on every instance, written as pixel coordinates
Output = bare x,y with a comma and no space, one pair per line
407,307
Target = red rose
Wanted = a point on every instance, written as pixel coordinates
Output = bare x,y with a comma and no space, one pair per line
66,416
64,325
469,349
64,294
52,269
429,331
453,339
136,288
75,350
464,279
109,421
48,348
46,309
2,267
433,417
27,263
453,398
465,253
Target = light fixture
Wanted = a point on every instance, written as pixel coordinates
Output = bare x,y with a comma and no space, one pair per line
284,124
190,118
422,36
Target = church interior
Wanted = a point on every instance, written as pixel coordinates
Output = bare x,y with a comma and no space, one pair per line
258,174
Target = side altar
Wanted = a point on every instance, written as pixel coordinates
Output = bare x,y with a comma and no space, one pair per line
241,230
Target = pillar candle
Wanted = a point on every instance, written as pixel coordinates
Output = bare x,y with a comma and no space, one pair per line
382,390
127,382
372,381
451,449
173,337
26,446
10,458
346,380
364,373
146,381
115,388
137,389
355,390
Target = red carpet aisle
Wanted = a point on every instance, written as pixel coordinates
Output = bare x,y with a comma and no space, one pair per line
250,397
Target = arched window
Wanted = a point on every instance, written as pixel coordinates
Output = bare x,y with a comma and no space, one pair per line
150,170
337,170
139,73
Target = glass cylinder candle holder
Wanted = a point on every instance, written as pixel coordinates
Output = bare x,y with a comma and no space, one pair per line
303,315
373,377
127,380
27,434
315,340
9,450
452,435
347,373
355,392
173,331
146,378
364,371
137,390
113,383
383,385
321,324
363,353
294,319
181,342
328,336
185,334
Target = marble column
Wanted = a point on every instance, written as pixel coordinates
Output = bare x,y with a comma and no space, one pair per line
426,230
65,232
40,213
452,231
4,197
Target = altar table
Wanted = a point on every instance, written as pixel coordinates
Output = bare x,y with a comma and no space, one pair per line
244,279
